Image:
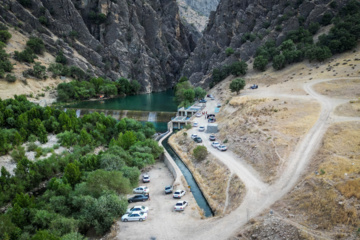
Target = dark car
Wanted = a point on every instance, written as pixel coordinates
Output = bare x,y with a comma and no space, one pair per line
138,198
212,138
202,101
211,120
198,139
211,116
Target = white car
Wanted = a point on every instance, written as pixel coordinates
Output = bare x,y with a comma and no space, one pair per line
198,114
180,206
195,124
193,136
201,128
141,189
215,144
134,216
146,178
222,148
142,209
179,193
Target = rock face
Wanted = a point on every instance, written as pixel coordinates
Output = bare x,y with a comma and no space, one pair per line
196,12
234,20
137,39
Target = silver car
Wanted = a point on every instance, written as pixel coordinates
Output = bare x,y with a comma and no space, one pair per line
142,209
134,216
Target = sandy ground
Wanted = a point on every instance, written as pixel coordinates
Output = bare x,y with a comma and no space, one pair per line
162,220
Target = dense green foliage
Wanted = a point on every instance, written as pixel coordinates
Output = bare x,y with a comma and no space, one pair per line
185,93
236,69
299,45
5,64
82,193
81,90
33,46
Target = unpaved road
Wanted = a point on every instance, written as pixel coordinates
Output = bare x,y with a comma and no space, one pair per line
259,195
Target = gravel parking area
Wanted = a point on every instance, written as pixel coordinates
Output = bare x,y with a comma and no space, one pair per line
161,216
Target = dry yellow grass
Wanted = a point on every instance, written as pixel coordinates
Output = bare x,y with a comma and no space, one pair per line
211,175
237,192
350,188
347,88
350,109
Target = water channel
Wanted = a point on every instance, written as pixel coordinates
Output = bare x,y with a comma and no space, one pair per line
198,195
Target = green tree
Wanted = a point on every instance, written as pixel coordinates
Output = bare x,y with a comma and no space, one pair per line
44,235
238,68
72,174
135,87
85,138
127,139
183,79
60,58
279,62
237,84
260,63
132,173
200,153
199,93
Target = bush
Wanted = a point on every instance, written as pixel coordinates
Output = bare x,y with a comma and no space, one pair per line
200,153
4,36
18,153
188,126
39,71
36,45
229,51
60,58
279,62
31,147
26,3
326,19
10,78
25,56
43,20
314,27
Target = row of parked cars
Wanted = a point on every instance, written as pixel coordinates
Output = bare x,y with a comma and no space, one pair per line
180,205
212,138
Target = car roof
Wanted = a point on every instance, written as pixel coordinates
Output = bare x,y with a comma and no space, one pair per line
179,190
136,212
180,202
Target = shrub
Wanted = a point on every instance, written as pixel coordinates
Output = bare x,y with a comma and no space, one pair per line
4,36
188,126
60,58
38,71
279,62
10,78
73,34
18,153
229,51
314,27
26,3
31,146
36,45
278,28
43,20
326,19
25,56
200,153
266,25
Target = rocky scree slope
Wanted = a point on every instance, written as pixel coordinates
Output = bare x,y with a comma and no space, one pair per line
137,39
246,25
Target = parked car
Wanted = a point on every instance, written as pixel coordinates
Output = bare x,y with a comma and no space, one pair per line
212,98
210,116
138,209
141,189
198,139
215,144
212,138
195,124
209,96
211,120
168,189
218,105
193,136
179,193
201,128
138,198
198,114
222,148
134,216
146,178
180,206
254,86
202,101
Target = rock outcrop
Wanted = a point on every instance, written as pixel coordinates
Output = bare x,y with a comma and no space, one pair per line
235,21
137,39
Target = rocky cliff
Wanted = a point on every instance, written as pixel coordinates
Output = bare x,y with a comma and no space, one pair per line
245,25
197,12
138,39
